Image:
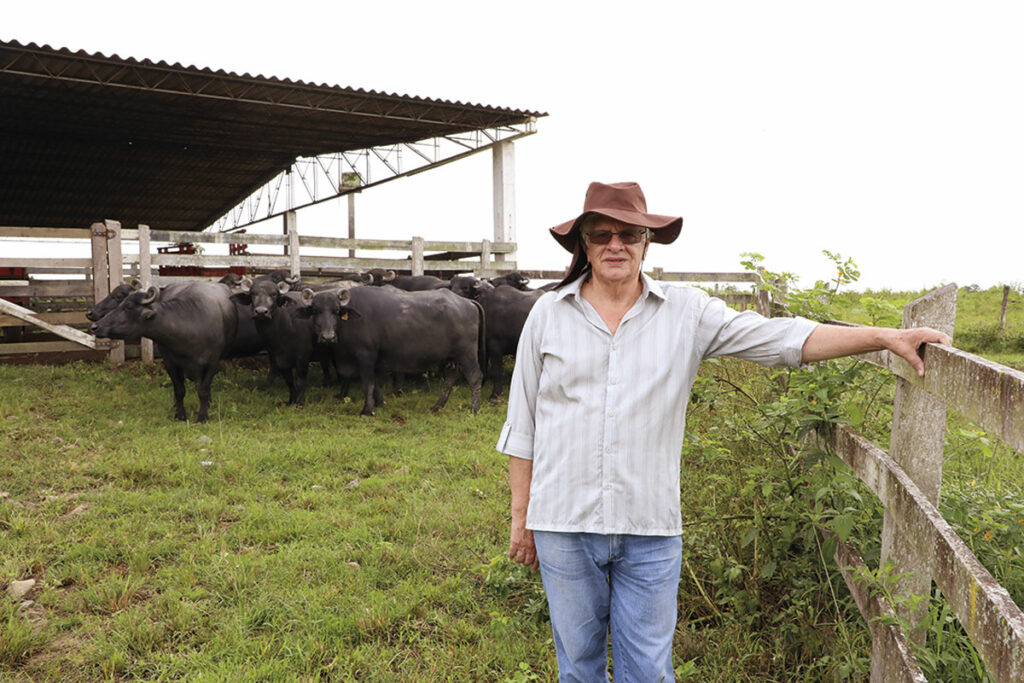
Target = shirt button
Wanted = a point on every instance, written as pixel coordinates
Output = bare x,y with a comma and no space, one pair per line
611,414
615,347
608,450
607,487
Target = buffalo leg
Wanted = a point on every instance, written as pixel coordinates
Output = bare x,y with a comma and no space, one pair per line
203,389
451,374
474,376
177,376
497,383
289,379
369,381
301,381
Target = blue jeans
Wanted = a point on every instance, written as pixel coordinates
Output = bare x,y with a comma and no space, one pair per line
627,582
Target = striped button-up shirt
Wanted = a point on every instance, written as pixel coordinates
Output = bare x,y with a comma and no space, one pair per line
602,416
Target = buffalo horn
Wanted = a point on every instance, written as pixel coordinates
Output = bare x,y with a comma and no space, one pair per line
151,295
389,276
366,278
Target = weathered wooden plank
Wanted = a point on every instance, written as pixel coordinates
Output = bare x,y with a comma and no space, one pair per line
42,347
176,236
994,623
9,262
30,317
75,318
402,245
900,664
44,233
311,241
990,394
81,288
709,277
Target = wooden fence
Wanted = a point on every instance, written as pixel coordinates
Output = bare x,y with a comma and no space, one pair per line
920,543
45,316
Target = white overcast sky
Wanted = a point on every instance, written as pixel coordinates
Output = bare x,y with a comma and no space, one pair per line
890,132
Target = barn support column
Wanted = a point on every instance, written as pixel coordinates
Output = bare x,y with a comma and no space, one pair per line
352,221
418,263
291,228
145,280
504,178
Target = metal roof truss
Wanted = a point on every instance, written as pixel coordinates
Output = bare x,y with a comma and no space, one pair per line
312,180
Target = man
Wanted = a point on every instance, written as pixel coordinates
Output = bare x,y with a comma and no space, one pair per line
595,425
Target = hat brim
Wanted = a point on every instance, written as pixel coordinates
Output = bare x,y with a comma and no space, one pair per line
665,229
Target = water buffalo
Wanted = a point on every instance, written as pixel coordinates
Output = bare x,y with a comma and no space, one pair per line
505,310
272,309
516,280
382,328
244,344
418,283
192,323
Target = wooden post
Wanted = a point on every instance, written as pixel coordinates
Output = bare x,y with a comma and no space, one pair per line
115,275
417,256
504,179
291,228
145,279
100,273
918,432
1002,312
351,221
486,269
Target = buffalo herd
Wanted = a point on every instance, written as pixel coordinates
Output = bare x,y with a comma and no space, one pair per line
360,326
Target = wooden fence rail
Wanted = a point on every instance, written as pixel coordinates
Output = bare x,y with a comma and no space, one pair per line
915,537
110,263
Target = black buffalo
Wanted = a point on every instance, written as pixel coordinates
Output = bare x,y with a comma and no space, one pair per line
376,329
244,344
513,279
192,324
418,283
271,307
505,310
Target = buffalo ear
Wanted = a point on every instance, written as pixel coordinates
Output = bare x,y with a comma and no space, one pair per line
283,286
349,312
307,296
244,298
135,284
343,297
147,313
366,278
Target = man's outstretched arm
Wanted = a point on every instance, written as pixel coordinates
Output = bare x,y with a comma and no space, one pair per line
834,341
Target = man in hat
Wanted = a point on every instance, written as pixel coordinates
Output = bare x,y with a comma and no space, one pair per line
595,424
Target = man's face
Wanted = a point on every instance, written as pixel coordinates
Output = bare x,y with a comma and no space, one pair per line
619,258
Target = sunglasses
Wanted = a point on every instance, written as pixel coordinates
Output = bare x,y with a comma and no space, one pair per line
628,236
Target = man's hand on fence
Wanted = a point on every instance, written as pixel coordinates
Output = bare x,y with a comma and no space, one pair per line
907,343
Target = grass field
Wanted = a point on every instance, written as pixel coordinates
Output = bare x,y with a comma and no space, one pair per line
283,544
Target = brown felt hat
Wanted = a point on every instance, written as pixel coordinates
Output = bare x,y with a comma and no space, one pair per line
623,202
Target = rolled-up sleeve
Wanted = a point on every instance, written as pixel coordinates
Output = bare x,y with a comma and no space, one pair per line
516,438
747,335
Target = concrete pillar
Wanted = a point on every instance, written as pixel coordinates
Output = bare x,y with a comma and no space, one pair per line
145,279
291,228
352,221
504,178
418,263
918,432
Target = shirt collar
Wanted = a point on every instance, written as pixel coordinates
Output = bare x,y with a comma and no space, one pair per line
573,288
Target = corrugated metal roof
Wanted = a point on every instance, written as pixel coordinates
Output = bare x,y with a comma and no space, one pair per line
85,137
